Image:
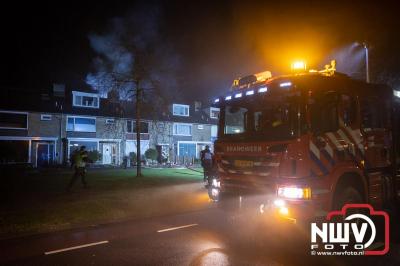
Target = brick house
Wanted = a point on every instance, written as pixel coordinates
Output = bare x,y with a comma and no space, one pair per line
45,129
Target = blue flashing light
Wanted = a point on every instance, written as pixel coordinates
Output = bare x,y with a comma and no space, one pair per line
227,98
216,100
262,89
285,84
238,95
250,92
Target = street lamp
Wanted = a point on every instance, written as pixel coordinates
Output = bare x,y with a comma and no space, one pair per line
365,45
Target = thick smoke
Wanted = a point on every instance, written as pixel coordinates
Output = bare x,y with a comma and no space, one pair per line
350,60
133,47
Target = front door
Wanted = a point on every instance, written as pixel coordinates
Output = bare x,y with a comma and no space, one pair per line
45,154
107,153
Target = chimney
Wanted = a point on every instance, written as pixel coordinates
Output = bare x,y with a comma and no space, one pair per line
59,90
197,106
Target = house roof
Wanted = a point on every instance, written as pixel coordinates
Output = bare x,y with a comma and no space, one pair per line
47,102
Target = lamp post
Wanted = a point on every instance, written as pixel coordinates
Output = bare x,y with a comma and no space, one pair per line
365,45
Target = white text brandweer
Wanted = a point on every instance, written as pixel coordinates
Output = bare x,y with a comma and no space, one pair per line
243,149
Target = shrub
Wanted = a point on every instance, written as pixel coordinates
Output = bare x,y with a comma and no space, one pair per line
132,156
151,154
94,156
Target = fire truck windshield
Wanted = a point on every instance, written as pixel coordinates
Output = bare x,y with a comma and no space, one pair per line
264,120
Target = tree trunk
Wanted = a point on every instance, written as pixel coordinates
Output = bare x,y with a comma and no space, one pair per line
138,153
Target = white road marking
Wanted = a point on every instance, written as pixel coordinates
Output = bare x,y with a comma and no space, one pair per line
176,228
76,247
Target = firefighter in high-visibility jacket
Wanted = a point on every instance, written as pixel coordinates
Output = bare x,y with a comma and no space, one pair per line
79,160
206,157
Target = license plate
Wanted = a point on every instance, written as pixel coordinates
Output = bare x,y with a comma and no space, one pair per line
242,163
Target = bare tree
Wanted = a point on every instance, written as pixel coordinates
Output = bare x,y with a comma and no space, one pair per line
134,60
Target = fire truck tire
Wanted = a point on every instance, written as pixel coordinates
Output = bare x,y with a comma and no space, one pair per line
346,195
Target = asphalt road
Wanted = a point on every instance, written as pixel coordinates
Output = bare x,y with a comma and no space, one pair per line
222,234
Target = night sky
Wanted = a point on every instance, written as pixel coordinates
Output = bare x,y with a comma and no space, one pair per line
48,42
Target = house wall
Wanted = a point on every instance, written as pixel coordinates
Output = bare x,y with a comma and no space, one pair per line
160,133
39,128
110,131
201,134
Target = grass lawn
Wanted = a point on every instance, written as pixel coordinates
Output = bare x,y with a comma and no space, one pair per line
39,202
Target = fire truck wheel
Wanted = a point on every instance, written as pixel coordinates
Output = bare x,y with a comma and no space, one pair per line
347,195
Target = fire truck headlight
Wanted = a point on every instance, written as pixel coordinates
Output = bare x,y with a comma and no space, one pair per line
294,192
283,210
216,183
279,203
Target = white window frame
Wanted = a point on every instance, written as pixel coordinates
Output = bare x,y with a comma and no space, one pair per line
46,117
197,143
18,128
182,124
110,121
74,116
180,105
214,109
86,94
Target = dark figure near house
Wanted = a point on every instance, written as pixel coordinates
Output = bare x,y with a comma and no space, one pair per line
79,160
206,157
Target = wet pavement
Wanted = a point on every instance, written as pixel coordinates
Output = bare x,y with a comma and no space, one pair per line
221,234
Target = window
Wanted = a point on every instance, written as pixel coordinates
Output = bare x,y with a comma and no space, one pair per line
348,109
76,145
110,121
14,151
81,124
182,129
45,117
83,99
131,126
180,109
13,120
130,146
200,127
375,113
214,112
235,120
324,113
214,131
277,118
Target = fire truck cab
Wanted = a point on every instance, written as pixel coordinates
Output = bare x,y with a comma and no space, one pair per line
316,139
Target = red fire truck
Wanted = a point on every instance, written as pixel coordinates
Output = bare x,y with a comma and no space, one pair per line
317,139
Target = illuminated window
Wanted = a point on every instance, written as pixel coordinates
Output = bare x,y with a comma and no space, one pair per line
182,129
214,112
214,131
81,124
84,99
180,109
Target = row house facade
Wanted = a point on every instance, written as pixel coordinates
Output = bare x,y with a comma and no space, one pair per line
46,129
